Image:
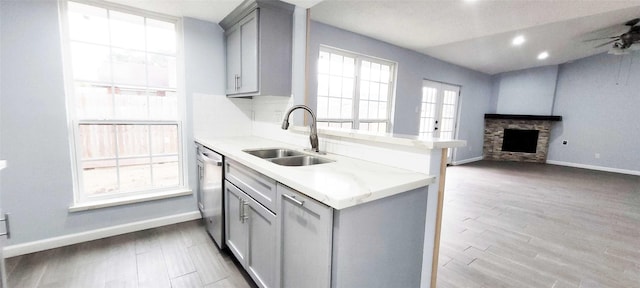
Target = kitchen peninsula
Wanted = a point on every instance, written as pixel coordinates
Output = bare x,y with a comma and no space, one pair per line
380,197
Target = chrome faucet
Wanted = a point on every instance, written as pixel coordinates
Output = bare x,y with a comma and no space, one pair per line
313,135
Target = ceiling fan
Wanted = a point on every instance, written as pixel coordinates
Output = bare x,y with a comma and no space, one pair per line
623,42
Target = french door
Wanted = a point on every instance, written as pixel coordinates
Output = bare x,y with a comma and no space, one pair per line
439,110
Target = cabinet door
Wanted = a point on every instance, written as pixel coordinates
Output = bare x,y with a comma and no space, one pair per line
235,228
305,235
233,60
262,244
249,53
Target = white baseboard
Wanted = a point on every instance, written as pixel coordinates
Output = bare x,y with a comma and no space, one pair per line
55,242
465,161
593,167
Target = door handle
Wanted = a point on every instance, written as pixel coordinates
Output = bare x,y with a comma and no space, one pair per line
237,82
6,225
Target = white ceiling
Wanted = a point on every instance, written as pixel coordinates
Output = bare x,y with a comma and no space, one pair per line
478,34
474,34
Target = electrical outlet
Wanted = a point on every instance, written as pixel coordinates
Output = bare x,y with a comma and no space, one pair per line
597,155
565,142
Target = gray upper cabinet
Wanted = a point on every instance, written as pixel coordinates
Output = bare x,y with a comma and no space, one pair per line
259,41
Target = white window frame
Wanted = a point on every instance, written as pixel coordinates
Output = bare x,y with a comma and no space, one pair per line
355,120
81,200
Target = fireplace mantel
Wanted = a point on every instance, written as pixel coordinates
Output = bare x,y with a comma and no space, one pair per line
523,117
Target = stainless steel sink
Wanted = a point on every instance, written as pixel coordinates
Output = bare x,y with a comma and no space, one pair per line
305,160
273,153
287,157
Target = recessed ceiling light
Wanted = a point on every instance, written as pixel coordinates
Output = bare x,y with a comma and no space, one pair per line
543,55
518,40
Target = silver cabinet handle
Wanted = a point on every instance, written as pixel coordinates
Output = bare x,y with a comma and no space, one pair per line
294,200
6,225
237,82
244,211
240,206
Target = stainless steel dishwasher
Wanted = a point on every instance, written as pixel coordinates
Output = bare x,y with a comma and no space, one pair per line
210,192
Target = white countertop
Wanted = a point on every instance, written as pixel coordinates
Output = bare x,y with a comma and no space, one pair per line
344,183
387,138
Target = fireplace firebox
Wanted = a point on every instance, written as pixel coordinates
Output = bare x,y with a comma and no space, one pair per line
516,140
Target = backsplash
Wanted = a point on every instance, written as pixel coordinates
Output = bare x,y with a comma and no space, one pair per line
216,116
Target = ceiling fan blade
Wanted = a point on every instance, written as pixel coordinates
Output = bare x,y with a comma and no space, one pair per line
605,44
603,38
632,22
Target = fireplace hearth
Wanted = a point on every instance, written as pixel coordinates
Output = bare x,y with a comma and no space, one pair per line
522,138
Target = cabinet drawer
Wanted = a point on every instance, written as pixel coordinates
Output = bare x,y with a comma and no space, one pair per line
256,185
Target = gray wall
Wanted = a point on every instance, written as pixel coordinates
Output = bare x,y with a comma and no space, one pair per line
37,185
413,67
599,101
529,91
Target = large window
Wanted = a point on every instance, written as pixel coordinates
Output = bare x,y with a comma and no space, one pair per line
354,91
123,102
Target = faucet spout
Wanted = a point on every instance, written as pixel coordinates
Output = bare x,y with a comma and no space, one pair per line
313,134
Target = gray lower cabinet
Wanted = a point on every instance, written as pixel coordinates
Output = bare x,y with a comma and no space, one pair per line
285,239
251,235
236,231
304,234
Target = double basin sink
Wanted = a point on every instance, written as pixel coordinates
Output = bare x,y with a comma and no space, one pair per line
287,157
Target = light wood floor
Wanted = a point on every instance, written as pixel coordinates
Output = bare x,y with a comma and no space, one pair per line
511,224
180,255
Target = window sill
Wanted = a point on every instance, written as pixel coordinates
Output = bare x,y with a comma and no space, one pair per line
77,207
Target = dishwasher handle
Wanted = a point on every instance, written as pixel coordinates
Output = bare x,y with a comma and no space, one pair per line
206,157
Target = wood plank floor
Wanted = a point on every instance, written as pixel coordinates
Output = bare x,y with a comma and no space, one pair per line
508,224
180,255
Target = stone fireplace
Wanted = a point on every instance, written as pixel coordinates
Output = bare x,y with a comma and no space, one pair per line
522,138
